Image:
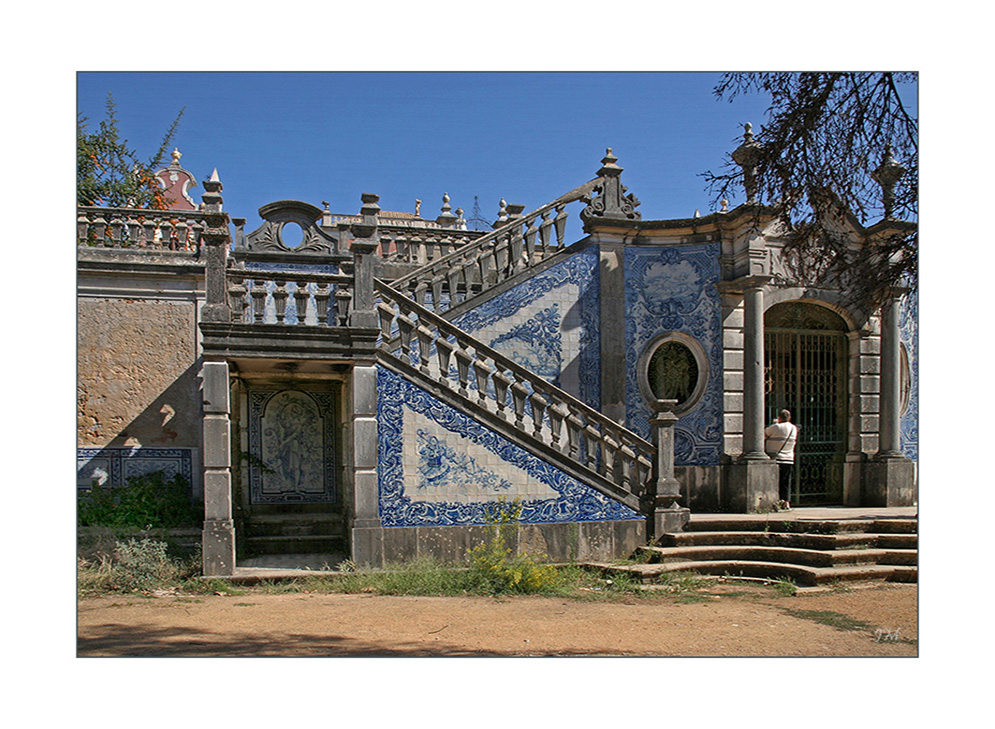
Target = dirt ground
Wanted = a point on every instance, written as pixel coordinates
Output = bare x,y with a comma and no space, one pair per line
723,619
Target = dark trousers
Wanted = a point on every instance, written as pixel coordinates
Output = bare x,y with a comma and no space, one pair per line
785,472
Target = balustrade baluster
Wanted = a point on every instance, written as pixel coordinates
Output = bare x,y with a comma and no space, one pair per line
257,290
386,314
280,295
301,296
530,243
595,442
196,230
539,405
425,337
401,249
117,228
501,384
545,229
149,227
437,294
574,430
556,418
321,298
181,235
420,291
452,281
561,224
166,235
488,265
444,350
236,297
135,231
343,301
82,229
406,328
519,393
515,251
482,373
463,360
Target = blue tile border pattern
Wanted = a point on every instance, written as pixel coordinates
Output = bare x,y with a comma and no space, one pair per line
506,318
112,467
909,329
672,289
555,498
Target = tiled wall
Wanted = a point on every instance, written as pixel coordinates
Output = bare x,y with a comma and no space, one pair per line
549,324
672,289
439,467
112,467
909,326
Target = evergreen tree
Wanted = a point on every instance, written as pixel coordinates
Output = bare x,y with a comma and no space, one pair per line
110,174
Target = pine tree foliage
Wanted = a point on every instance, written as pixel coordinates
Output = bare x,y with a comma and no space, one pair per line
110,174
824,137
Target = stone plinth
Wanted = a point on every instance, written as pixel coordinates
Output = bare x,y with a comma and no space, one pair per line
889,482
750,486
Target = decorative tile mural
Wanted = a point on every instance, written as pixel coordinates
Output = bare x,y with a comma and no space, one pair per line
550,324
672,289
439,467
909,328
112,467
292,446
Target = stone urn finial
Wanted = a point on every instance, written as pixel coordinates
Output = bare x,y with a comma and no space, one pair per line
886,175
746,156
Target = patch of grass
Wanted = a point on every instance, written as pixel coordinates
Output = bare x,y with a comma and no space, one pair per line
832,619
785,588
135,566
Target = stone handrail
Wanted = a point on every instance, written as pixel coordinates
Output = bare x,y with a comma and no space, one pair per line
262,297
164,230
495,257
537,409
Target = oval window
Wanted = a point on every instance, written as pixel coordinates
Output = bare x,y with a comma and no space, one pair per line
673,372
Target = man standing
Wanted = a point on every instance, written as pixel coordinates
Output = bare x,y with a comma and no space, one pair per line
780,439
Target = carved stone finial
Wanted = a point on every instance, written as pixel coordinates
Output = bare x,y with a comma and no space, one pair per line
746,156
887,174
176,156
446,217
725,205
417,208
502,214
612,199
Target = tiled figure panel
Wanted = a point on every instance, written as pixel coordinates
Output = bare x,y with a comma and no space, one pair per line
112,467
550,325
909,328
672,289
439,467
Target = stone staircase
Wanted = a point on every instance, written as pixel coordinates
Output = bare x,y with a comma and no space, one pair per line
294,530
806,551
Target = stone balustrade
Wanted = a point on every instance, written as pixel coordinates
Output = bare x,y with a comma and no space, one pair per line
281,297
537,409
168,230
518,244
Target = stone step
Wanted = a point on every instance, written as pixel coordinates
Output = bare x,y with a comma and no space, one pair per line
309,544
790,539
788,555
788,524
799,574
291,525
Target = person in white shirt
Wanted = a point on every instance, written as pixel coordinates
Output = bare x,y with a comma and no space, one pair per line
780,439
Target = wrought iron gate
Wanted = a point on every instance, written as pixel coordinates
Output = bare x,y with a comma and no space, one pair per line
805,371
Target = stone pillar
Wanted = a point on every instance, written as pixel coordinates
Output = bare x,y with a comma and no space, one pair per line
751,482
668,515
890,477
612,302
753,370
367,534
218,540
364,248
216,240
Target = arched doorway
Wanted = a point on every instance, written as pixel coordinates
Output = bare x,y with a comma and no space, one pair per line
805,371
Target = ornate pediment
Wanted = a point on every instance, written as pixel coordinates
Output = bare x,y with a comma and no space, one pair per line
276,216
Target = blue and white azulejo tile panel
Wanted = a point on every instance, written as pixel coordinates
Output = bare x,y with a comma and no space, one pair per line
439,467
550,325
112,467
672,289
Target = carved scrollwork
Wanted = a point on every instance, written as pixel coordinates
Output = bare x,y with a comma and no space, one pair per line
268,237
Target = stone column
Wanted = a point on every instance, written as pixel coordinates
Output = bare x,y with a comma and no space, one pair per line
218,539
367,534
751,481
890,476
364,247
753,370
668,515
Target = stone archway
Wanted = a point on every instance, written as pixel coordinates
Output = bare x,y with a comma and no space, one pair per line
805,371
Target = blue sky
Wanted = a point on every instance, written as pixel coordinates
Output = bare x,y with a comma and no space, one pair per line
526,137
